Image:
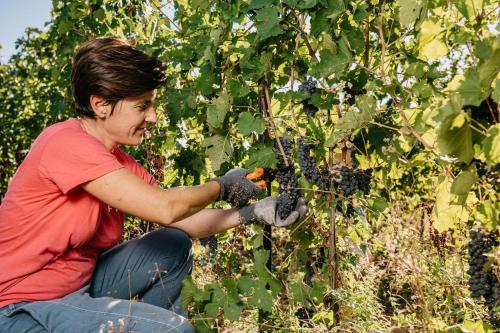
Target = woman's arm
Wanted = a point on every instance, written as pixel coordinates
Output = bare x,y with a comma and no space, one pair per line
208,222
123,190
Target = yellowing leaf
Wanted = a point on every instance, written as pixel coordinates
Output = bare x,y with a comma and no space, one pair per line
218,150
431,44
409,10
445,214
491,145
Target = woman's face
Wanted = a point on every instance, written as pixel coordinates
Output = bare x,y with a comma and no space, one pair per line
128,122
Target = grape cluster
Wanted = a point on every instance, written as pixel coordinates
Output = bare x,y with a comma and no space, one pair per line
349,180
304,315
309,87
211,242
307,162
287,180
483,283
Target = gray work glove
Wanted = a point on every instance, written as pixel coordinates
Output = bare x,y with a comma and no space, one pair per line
236,189
264,211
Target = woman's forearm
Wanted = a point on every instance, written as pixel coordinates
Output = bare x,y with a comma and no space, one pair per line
128,193
208,222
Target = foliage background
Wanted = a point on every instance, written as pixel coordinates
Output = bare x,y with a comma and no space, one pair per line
407,88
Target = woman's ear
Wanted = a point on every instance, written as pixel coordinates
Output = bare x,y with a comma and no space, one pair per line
100,106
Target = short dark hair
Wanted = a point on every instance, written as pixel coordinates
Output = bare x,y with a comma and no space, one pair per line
112,69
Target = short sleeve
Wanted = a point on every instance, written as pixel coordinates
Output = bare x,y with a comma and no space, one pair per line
72,158
130,163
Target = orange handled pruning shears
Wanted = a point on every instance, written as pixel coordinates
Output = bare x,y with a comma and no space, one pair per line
257,173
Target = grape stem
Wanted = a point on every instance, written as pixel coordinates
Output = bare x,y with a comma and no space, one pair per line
271,122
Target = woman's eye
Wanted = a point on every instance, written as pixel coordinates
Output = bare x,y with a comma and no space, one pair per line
143,106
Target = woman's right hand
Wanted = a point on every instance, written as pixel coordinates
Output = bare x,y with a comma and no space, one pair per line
236,189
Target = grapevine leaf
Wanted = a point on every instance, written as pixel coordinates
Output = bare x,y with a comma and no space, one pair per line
216,113
262,297
246,284
318,291
247,124
463,182
260,260
232,310
258,294
218,150
476,327
489,214
430,40
422,89
469,8
257,4
445,214
496,90
202,326
455,138
468,87
491,145
330,63
300,292
301,4
489,69
188,292
410,10
354,119
268,22
261,157
238,89
212,309
356,40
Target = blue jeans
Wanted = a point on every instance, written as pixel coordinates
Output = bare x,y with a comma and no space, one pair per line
148,269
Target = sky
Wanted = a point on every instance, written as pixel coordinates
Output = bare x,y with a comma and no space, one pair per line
15,17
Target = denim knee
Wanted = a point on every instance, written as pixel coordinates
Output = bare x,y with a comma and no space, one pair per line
167,238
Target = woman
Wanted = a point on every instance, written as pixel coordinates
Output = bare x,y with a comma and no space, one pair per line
61,269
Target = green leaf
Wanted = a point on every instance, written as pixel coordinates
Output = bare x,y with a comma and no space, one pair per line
261,297
356,40
417,69
260,260
468,87
463,182
423,89
488,213
268,22
431,43
218,150
445,214
410,11
301,4
261,157
496,90
354,119
257,4
469,8
489,69
455,138
248,124
189,290
475,327
491,145
212,309
300,292
216,113
238,89
330,63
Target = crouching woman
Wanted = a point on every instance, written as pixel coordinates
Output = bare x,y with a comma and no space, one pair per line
61,267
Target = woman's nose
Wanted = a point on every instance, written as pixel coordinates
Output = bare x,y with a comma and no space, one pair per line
151,116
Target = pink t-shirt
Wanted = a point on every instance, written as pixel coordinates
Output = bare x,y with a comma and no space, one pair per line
51,230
